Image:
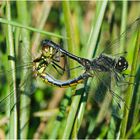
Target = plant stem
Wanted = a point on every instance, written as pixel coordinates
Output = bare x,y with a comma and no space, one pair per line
23,17
130,89
13,130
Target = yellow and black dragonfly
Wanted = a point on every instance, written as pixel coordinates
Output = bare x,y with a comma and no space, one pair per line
112,65
52,65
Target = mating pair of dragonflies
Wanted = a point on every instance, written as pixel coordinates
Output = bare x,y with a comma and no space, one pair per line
113,65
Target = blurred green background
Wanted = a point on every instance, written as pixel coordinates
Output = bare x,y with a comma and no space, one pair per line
83,28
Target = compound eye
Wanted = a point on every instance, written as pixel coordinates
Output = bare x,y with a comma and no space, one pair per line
44,42
121,64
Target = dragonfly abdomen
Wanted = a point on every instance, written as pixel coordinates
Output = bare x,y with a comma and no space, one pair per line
69,83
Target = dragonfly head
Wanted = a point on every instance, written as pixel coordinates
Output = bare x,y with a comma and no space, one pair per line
47,50
121,64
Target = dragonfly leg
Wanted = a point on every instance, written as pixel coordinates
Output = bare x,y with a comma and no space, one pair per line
57,69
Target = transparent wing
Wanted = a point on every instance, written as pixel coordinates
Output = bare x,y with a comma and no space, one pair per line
104,90
114,47
21,86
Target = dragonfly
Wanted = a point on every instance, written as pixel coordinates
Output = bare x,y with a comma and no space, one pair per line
52,56
103,63
114,66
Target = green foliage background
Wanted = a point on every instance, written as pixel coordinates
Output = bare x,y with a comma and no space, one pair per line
51,112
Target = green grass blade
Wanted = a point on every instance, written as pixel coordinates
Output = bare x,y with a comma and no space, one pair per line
72,47
130,89
96,28
123,23
13,126
10,22
23,17
113,123
91,44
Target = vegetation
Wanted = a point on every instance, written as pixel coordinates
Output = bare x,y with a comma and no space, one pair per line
30,108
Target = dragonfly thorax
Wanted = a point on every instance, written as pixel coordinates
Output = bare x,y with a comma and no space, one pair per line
103,63
121,64
107,63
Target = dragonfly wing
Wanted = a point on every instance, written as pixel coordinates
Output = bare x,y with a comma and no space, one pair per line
21,89
114,47
105,91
